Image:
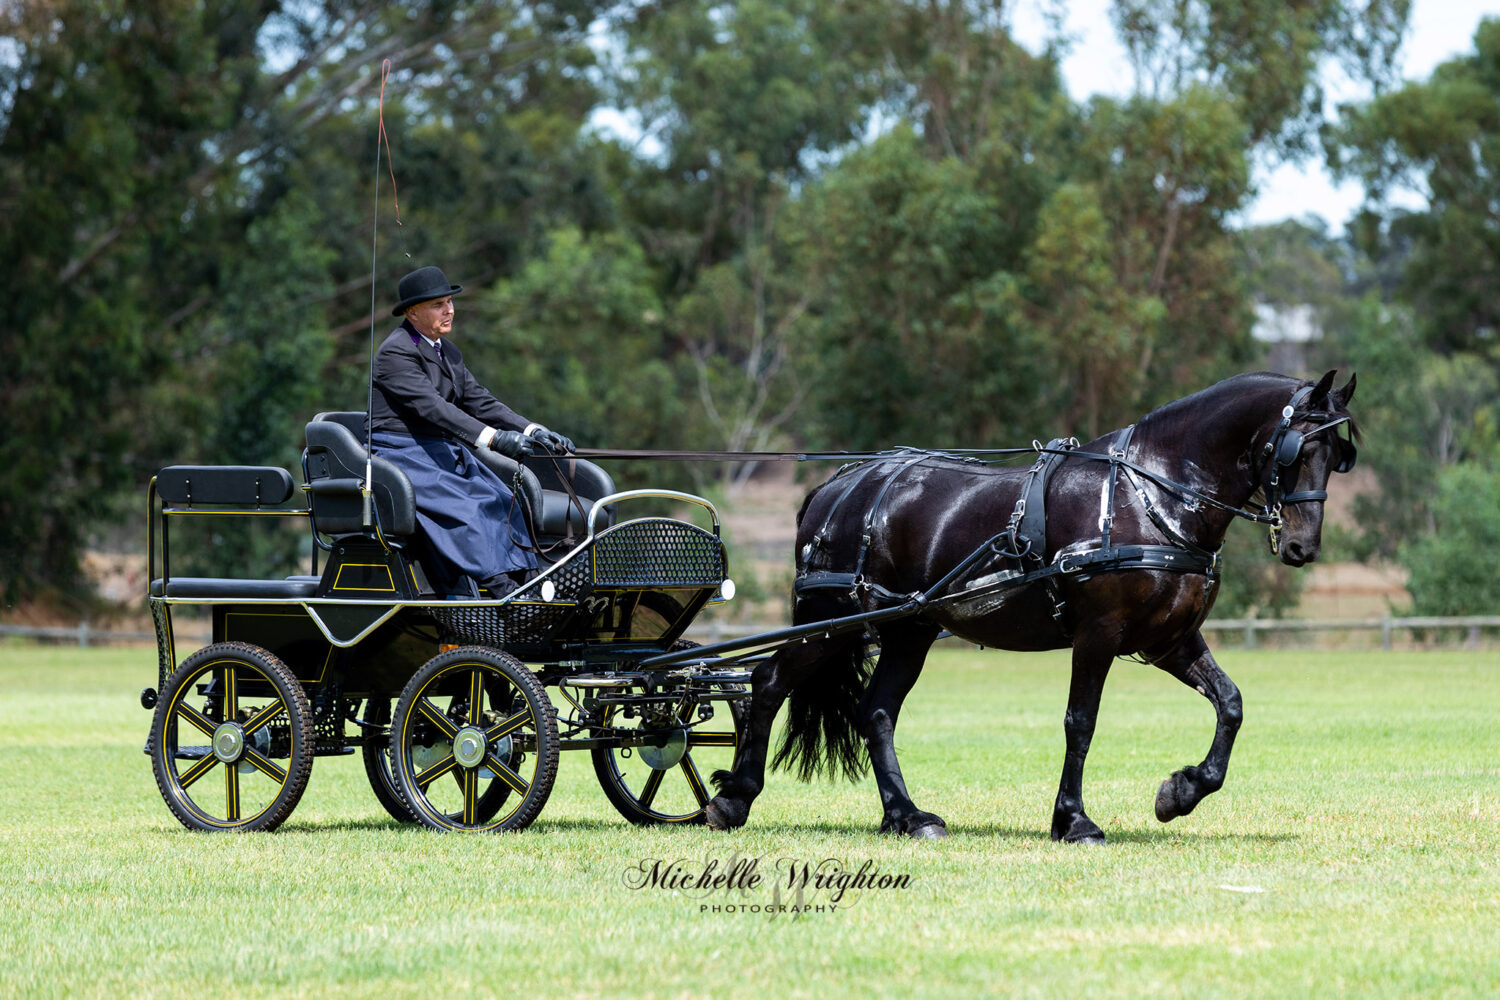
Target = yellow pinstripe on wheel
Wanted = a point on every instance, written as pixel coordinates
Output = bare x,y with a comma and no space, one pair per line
224,717
474,742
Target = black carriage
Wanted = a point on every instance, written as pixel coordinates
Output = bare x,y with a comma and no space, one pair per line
445,694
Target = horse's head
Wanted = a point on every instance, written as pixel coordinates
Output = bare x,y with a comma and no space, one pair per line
1312,438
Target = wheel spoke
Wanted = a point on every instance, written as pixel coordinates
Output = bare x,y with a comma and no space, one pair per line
471,795
508,726
195,717
505,774
264,716
231,694
436,771
265,765
701,739
695,780
476,697
430,712
231,793
650,788
205,764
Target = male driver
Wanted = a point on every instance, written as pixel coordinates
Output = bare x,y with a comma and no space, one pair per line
426,413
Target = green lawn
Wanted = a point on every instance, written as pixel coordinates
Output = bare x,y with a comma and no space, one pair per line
1355,851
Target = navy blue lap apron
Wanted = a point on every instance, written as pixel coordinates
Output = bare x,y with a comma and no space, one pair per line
469,516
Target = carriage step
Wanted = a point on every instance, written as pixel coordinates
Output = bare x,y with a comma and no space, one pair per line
600,681
635,680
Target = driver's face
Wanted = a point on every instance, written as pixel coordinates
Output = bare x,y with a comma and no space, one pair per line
434,317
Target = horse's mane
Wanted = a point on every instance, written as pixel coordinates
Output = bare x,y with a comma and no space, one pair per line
1225,391
1206,403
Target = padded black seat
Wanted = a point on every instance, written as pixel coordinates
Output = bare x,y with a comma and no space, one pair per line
561,515
335,464
217,588
540,482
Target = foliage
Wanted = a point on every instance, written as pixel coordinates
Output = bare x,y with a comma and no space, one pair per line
854,223
1442,138
106,193
577,341
1421,412
914,341
1451,569
1264,55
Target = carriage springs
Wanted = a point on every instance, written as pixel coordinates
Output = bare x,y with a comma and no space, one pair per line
801,880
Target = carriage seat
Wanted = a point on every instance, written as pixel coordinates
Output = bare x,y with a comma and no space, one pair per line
335,465
229,489
542,482
217,588
561,515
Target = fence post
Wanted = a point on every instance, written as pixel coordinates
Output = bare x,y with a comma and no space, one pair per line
83,634
1385,632
1250,632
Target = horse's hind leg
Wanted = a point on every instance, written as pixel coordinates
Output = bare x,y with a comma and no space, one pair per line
770,684
1190,662
903,650
1090,668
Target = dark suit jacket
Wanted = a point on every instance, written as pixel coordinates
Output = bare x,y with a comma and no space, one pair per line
415,394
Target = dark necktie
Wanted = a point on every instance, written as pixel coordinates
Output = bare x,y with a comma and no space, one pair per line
437,345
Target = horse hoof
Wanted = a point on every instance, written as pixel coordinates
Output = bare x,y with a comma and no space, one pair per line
929,831
719,815
1172,799
1081,830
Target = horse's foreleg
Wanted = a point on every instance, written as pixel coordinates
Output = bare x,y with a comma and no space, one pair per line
903,650
737,789
1090,667
1191,662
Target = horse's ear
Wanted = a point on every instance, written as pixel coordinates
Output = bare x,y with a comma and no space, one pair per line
1342,397
1321,390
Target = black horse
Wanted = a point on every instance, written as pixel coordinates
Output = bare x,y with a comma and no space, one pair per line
1122,561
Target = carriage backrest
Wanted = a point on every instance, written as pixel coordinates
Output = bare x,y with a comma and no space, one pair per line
565,511
335,462
554,512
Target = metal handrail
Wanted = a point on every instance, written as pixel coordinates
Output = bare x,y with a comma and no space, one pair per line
603,502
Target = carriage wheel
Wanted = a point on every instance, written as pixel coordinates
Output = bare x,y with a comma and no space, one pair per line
232,739
665,778
377,755
474,742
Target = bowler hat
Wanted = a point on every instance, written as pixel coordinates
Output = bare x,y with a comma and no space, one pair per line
423,285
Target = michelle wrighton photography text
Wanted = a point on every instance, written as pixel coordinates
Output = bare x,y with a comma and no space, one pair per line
795,886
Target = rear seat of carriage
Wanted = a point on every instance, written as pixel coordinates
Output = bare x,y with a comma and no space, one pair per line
334,463
255,489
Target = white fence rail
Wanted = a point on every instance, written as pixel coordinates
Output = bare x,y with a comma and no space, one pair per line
1248,630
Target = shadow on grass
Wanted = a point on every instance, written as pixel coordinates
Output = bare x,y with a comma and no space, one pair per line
996,832
542,825
857,831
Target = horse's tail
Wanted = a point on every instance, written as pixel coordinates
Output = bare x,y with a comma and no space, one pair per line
822,730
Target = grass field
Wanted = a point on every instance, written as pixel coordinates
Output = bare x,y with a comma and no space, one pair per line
1355,851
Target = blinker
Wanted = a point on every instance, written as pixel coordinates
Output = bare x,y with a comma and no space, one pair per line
1291,443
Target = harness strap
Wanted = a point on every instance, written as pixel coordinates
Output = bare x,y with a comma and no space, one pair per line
866,536
1027,528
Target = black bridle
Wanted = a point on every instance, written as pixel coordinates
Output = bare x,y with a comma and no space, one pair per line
1284,450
